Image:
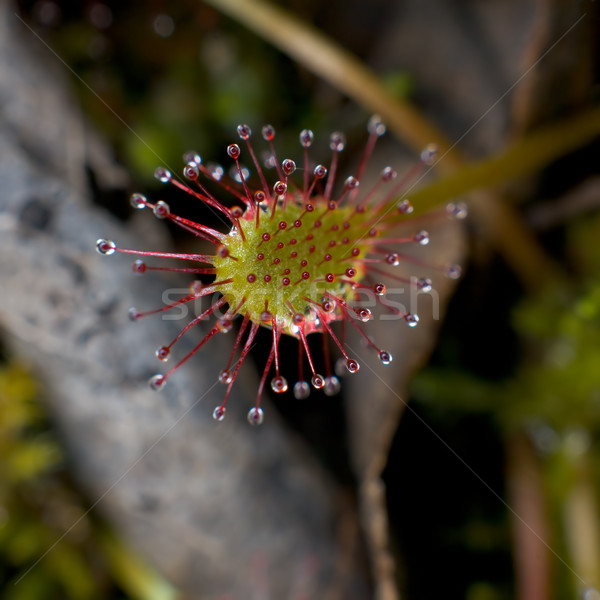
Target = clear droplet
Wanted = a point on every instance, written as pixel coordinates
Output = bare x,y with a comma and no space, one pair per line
424,284
191,171
219,413
268,133
364,314
393,259
352,365
279,384
385,357
280,188
163,353
453,271
320,171
225,324
351,183
192,157
162,174
138,201
106,247
388,174
301,390
318,381
225,376
233,150
457,210
405,207
256,416
133,314
306,137
422,238
288,166
239,174
429,153
376,125
332,386
337,141
411,319
157,382
244,132
161,209
139,267
340,366
215,171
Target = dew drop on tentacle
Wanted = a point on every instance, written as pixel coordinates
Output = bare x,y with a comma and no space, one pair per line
424,284
225,376
268,133
429,153
138,201
288,166
301,390
457,210
219,413
306,138
106,247
411,319
364,314
332,386
422,238
191,171
351,183
163,353
233,150
192,157
256,416
337,141
379,289
279,384
453,271
405,207
225,324
318,381
133,314
376,125
161,209
280,188
157,382
244,132
385,357
352,366
388,174
139,267
162,174
392,259
340,367
320,171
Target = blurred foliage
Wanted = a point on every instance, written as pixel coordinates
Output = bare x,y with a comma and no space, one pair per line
50,545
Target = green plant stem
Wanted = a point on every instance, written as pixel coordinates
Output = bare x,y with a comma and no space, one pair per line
525,156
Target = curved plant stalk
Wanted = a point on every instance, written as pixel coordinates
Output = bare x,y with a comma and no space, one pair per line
525,156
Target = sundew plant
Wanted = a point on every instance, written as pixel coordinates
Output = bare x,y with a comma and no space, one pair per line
300,249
